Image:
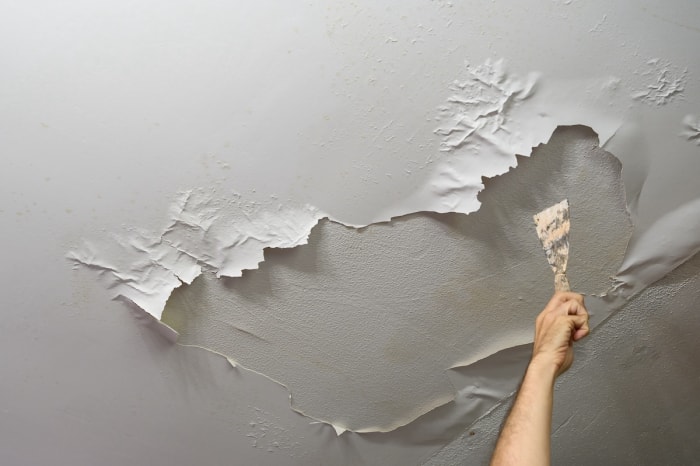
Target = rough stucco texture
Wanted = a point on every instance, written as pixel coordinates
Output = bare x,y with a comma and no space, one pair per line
359,328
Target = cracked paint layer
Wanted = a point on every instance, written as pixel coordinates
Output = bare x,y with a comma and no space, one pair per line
349,326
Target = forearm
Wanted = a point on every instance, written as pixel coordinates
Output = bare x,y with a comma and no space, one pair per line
525,438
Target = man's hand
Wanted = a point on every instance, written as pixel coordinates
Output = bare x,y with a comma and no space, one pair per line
524,440
563,321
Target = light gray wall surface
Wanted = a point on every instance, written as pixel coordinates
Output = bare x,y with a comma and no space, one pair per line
109,109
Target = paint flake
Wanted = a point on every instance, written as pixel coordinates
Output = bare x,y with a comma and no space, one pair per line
669,242
223,235
491,114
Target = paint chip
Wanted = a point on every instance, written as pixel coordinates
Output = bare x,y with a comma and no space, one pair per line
206,232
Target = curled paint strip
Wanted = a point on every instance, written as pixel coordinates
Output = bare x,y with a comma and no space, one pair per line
206,233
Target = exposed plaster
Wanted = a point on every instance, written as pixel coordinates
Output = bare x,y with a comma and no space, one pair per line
490,116
364,332
108,108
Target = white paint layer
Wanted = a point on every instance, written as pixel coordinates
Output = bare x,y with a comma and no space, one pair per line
490,116
667,244
224,235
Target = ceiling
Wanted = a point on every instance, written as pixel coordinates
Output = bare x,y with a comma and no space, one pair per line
299,233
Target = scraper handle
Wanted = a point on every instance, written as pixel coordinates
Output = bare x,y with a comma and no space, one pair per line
561,283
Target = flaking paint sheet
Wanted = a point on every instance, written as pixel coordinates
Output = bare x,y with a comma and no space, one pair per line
489,117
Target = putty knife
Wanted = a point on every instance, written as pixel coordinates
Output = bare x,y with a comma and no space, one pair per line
552,225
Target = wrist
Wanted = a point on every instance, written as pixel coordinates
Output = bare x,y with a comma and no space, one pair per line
543,368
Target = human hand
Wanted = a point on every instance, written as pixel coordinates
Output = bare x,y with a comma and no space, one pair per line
563,321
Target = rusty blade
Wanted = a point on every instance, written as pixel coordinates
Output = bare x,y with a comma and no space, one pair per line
552,225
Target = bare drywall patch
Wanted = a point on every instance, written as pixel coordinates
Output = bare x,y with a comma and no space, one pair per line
361,325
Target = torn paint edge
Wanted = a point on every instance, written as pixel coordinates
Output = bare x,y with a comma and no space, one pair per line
487,100
449,207
171,260
339,429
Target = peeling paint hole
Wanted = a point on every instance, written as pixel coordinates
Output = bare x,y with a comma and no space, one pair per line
361,326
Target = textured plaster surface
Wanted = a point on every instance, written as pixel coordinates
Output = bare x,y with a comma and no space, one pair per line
658,347
362,325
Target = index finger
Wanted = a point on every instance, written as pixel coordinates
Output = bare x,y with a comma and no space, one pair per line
564,296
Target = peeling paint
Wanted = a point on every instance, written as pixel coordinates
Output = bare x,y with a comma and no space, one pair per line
665,83
268,434
331,320
691,129
206,232
668,243
478,108
115,105
490,116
